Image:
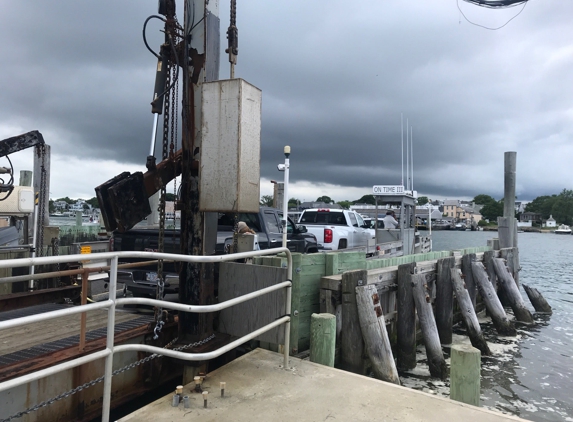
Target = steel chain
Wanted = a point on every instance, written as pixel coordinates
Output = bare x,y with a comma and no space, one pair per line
100,379
41,202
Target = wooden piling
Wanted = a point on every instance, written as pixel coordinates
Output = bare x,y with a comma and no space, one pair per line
436,361
494,307
444,299
471,286
511,290
488,264
322,338
465,374
468,313
406,318
351,343
537,300
511,256
376,340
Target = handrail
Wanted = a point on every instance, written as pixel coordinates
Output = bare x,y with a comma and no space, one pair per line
112,302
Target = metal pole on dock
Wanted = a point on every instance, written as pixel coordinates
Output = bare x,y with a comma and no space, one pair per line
285,195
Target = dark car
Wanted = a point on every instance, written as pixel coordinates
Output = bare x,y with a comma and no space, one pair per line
268,228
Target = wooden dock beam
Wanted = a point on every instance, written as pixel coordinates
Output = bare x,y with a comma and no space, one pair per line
376,340
507,283
322,338
352,345
436,361
465,374
444,299
406,315
499,318
468,313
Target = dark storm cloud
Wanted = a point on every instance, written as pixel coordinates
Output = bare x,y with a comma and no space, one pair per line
336,76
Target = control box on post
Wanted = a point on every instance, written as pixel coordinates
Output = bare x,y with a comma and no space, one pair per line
230,147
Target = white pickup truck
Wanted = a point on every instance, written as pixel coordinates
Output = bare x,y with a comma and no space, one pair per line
338,229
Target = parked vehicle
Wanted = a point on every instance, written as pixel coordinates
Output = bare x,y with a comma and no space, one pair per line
338,229
268,228
142,281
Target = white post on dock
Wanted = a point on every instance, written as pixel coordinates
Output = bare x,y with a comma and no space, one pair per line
285,167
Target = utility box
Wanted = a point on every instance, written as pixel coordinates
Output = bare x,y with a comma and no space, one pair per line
20,203
230,147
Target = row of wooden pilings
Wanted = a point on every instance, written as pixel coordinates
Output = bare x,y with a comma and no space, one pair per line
425,292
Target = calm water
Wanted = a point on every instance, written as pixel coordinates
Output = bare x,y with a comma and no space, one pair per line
531,376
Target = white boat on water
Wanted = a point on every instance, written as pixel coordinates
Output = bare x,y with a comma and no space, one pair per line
563,229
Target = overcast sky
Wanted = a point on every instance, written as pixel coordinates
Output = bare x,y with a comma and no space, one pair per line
336,77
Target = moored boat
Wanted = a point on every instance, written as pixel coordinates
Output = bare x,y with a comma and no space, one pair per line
563,229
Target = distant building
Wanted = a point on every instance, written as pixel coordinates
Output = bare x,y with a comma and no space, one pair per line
451,207
534,217
550,222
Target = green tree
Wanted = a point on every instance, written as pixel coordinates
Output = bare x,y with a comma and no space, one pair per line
542,205
266,201
423,200
366,199
483,199
93,202
170,197
325,199
492,210
51,207
293,203
562,209
66,200
345,204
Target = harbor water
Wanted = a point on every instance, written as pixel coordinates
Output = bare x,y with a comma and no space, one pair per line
530,376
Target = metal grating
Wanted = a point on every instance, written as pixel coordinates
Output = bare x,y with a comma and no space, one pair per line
42,349
31,310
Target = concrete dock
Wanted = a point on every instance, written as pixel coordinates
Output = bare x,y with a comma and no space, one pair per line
258,388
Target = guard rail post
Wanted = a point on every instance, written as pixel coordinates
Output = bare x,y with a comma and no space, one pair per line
110,340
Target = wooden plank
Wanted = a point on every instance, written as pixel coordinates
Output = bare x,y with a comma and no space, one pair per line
376,340
444,300
512,292
236,279
406,318
436,361
471,286
331,264
488,264
468,313
492,303
352,345
537,300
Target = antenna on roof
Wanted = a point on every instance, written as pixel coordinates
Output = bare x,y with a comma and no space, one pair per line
402,127
412,154
407,158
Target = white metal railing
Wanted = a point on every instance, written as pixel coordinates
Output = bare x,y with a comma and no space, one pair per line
111,303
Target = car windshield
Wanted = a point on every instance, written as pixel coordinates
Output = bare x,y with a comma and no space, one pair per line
323,217
226,221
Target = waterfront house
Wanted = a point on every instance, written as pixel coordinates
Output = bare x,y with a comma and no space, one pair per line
550,222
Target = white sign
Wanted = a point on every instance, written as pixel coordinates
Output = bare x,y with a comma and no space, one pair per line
388,190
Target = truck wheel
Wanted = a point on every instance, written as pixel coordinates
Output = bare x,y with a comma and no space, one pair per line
342,244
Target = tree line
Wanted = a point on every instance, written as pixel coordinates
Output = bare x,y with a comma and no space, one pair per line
559,206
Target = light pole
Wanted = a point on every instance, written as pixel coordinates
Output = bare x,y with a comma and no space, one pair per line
285,167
